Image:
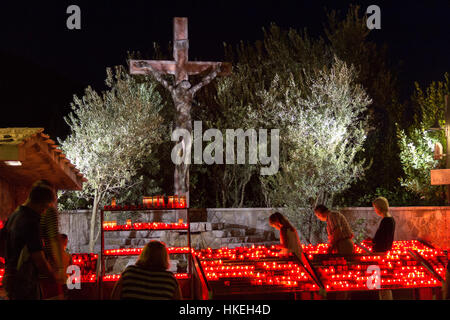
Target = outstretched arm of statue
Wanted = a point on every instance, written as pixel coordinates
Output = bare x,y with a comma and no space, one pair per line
149,70
207,79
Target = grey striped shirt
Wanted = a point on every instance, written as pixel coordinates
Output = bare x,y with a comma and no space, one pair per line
141,284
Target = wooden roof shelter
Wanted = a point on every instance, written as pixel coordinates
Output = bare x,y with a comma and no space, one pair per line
28,155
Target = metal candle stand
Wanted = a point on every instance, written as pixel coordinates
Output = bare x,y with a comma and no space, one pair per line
158,204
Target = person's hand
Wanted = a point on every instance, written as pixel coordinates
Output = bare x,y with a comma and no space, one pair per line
284,252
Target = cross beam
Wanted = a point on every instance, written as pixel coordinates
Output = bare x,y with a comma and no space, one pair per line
180,67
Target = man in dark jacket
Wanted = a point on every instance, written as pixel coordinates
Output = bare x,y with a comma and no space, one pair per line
25,257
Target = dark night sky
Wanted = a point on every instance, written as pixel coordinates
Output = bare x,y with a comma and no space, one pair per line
43,64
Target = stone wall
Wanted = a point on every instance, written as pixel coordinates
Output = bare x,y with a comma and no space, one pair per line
431,224
218,227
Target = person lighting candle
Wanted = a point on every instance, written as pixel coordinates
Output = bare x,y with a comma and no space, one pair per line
288,234
339,232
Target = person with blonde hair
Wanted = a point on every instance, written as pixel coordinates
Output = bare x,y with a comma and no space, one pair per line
384,236
149,278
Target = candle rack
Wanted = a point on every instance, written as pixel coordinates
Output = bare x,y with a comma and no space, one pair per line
150,205
254,271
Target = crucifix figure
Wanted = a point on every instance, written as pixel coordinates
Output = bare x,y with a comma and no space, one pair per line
181,90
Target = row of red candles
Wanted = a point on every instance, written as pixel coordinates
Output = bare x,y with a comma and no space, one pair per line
254,253
343,282
137,251
113,226
92,277
347,279
115,277
158,202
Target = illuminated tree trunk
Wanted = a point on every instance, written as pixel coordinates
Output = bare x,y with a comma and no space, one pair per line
93,236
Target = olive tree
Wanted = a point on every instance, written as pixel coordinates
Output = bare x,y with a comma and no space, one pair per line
324,127
113,134
417,142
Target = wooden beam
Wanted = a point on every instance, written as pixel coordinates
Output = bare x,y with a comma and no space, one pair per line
180,28
163,66
196,67
9,152
440,177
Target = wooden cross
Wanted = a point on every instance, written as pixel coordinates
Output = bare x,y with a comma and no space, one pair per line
181,90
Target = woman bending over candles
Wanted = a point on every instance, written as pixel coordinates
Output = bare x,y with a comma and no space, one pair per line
288,234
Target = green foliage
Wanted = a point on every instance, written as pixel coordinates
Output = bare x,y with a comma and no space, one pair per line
398,196
359,228
324,132
417,159
113,134
430,104
417,143
112,141
238,101
349,38
292,83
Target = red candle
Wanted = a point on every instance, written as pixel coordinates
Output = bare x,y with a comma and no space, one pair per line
170,202
155,201
182,201
161,201
147,201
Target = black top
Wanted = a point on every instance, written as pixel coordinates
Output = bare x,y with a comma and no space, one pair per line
22,229
384,236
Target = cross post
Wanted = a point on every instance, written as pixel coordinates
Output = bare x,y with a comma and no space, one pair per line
181,90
